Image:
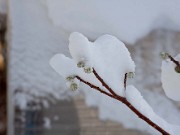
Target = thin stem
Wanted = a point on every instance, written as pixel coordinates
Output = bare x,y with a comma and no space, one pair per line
173,60
125,80
123,100
94,87
103,83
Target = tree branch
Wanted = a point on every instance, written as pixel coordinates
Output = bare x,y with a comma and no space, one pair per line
173,60
125,80
94,87
123,100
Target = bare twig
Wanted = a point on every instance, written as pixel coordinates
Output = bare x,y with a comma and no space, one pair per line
123,100
103,83
125,80
94,87
177,68
173,60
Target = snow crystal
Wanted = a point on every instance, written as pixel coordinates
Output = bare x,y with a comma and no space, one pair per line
170,79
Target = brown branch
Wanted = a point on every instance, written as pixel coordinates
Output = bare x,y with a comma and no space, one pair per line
173,60
103,83
123,100
177,68
125,80
94,87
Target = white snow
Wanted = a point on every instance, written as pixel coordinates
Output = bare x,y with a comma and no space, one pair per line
33,40
21,99
31,45
127,20
110,58
110,109
64,66
170,79
47,123
80,48
136,99
105,49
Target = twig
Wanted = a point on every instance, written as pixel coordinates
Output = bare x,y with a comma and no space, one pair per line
94,87
103,83
123,100
125,80
173,60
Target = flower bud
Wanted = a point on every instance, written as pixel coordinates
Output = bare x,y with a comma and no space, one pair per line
164,55
70,78
74,86
130,75
88,70
80,64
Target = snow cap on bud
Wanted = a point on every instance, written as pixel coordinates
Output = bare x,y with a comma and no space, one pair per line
130,75
63,65
164,55
80,49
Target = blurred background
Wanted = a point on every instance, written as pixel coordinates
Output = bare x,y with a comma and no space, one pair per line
33,97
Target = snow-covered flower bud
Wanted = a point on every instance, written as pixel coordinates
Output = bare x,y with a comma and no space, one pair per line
164,55
81,64
88,70
70,78
130,75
